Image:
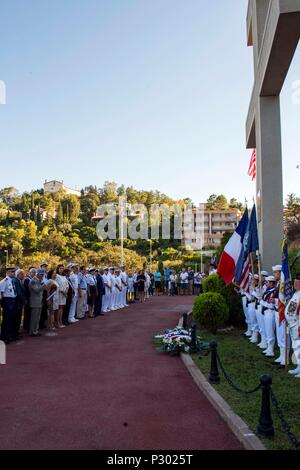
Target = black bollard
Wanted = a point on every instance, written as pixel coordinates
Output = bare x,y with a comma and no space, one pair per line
214,377
184,323
193,346
265,426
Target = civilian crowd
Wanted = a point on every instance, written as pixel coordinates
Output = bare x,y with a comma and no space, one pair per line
52,299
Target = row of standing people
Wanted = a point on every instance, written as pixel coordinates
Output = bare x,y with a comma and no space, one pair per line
58,297
265,327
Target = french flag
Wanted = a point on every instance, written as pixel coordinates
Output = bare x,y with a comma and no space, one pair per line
232,251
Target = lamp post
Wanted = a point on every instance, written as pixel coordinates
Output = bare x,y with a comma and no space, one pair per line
6,251
150,255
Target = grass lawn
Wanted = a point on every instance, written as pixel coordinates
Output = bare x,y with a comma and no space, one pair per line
244,363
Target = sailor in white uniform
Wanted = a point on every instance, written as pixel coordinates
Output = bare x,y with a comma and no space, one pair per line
259,315
292,316
118,289
107,295
280,327
112,300
124,279
252,311
268,303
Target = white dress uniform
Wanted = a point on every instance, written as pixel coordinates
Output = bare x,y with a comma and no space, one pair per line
292,316
118,292
245,299
107,295
268,310
280,328
73,306
261,319
147,285
112,300
124,279
252,315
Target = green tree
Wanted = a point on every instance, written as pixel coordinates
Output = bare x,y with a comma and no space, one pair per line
59,214
109,192
211,202
89,204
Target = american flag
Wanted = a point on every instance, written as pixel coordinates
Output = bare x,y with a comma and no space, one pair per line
252,166
245,280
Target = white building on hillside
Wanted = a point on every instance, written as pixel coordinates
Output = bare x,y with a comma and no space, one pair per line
56,186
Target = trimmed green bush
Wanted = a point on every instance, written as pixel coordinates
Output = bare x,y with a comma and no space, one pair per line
215,283
211,311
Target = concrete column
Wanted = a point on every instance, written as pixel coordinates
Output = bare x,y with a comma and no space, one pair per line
269,179
260,11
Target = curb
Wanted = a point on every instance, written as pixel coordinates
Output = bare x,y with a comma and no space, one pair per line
239,428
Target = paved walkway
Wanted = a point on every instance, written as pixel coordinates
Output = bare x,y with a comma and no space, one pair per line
101,385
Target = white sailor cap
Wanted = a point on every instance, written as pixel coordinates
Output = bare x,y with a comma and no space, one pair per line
44,264
265,273
270,279
278,267
70,266
256,276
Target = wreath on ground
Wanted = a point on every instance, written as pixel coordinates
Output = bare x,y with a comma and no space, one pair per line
178,341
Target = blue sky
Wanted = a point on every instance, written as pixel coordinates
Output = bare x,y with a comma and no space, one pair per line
149,93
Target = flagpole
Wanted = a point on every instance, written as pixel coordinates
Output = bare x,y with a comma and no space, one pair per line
252,270
259,272
286,347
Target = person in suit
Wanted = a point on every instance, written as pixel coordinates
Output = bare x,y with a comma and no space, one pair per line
36,289
100,293
8,302
44,312
18,282
26,321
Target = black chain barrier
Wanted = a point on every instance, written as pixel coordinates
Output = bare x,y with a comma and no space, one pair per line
235,387
265,427
285,425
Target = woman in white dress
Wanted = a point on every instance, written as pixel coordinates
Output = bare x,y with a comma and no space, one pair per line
52,298
147,285
63,287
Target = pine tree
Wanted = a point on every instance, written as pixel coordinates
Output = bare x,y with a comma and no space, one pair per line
39,215
32,212
59,214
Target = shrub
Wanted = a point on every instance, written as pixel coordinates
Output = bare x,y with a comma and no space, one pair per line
214,283
211,311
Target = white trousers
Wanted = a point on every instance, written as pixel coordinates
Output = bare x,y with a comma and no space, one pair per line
270,327
245,308
106,299
280,332
124,295
118,298
252,317
112,299
261,321
73,307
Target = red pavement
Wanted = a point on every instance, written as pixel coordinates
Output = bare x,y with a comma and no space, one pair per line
100,384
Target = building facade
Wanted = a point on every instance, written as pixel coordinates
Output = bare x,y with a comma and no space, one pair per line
205,228
56,186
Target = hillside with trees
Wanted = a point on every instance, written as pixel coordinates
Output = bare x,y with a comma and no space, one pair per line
39,226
